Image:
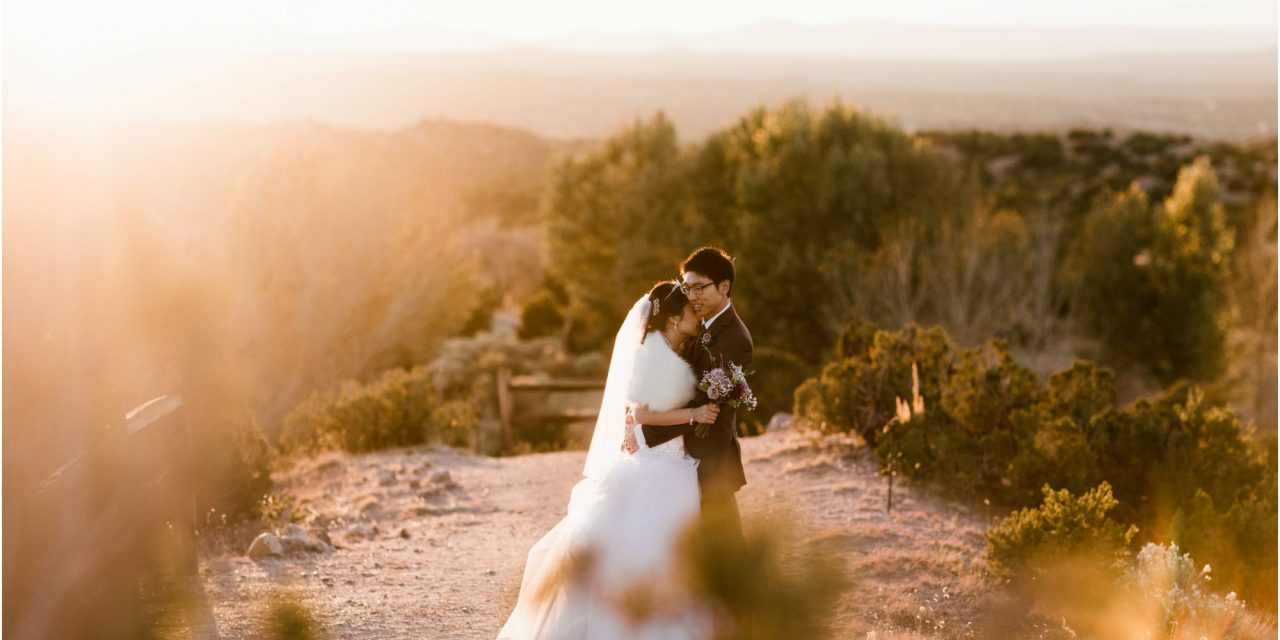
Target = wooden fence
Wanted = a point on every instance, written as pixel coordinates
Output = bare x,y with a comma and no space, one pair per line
515,415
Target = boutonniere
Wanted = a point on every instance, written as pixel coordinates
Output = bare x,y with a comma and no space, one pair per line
704,341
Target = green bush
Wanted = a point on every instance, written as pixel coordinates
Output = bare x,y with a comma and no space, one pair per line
856,339
1178,455
1178,467
456,422
1063,526
981,394
481,315
1061,449
541,316
857,394
968,431
1152,282
392,411
235,467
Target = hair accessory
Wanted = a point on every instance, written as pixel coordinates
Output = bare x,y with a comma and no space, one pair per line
653,311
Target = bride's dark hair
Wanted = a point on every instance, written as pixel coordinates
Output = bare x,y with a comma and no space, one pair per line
666,300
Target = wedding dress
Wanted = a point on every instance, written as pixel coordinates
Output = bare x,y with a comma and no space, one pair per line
610,560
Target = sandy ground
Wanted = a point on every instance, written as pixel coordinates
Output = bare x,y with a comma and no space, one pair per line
447,557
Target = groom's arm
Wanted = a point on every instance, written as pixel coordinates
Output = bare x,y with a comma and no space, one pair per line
735,348
656,434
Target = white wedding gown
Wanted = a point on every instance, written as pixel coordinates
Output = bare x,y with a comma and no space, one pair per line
619,535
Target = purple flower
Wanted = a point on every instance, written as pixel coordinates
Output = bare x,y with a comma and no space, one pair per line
706,337
713,392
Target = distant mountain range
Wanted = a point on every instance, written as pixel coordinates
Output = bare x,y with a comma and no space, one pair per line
1212,84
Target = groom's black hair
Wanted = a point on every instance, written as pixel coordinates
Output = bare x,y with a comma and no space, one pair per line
711,262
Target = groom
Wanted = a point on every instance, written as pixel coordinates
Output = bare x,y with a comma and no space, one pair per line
707,276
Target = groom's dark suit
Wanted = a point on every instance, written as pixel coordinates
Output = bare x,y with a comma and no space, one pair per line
720,472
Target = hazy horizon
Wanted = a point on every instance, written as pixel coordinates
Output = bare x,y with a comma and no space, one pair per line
573,95
407,26
570,69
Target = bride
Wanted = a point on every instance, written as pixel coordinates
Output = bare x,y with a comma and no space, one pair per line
606,569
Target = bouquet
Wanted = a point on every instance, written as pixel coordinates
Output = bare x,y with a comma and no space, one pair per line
726,385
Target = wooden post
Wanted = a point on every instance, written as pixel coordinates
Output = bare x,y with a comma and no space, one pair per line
504,409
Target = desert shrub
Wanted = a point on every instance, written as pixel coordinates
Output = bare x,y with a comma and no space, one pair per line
456,422
389,413
481,315
1159,452
1176,465
1237,539
280,509
856,338
1152,282
968,433
235,468
392,411
857,394
541,316
1061,448
982,392
1180,468
1063,526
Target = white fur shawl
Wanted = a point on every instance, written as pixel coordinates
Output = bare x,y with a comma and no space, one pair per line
661,379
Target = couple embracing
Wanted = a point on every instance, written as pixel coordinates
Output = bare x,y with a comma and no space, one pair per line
663,453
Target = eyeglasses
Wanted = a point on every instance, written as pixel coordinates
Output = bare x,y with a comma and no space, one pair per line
689,290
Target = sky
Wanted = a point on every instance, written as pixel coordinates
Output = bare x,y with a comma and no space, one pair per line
251,25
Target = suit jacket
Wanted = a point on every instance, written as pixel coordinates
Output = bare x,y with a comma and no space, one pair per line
718,452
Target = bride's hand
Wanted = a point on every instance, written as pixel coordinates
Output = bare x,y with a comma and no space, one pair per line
629,442
706,414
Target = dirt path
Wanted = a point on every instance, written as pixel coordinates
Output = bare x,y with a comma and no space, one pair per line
453,530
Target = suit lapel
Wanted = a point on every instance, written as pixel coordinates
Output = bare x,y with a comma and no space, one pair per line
723,321
726,319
